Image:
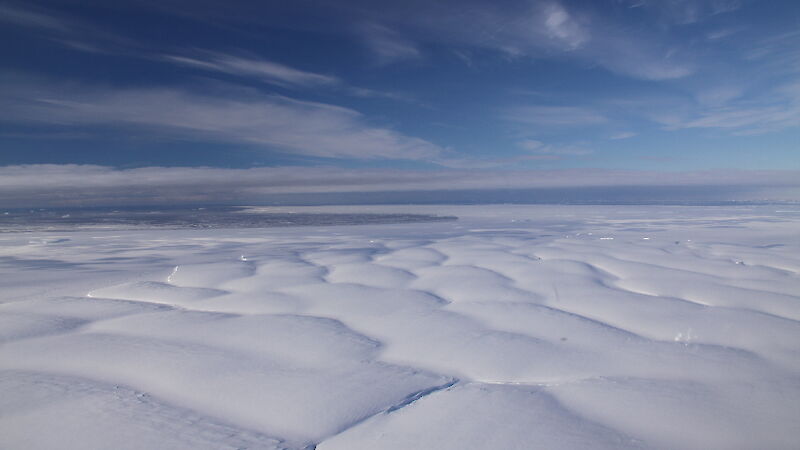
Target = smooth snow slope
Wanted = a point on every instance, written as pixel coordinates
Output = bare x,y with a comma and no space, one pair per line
517,327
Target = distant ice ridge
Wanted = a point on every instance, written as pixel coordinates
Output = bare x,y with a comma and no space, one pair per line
515,327
175,217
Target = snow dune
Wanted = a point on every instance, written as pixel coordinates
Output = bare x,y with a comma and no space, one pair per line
515,327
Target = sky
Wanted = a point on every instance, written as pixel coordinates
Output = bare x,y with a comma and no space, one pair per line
206,101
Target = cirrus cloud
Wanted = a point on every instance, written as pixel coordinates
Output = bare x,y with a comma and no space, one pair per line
274,122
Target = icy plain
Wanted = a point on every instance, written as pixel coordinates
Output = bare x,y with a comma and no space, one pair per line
515,327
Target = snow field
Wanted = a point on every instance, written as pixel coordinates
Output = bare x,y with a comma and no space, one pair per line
515,327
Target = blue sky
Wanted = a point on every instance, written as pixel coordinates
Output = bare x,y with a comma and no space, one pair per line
617,89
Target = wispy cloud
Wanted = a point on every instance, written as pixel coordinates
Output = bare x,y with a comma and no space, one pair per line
622,135
540,148
267,71
773,109
533,150
562,27
275,73
756,120
544,29
684,12
388,45
32,18
722,33
647,59
65,30
779,54
34,185
530,145
729,108
373,93
273,122
719,95
510,162
555,116
88,38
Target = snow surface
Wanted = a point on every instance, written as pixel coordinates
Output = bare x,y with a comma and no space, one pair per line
516,327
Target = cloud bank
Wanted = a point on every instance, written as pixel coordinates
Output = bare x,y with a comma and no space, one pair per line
65,185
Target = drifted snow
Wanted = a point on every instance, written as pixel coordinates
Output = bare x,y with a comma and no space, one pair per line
515,327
